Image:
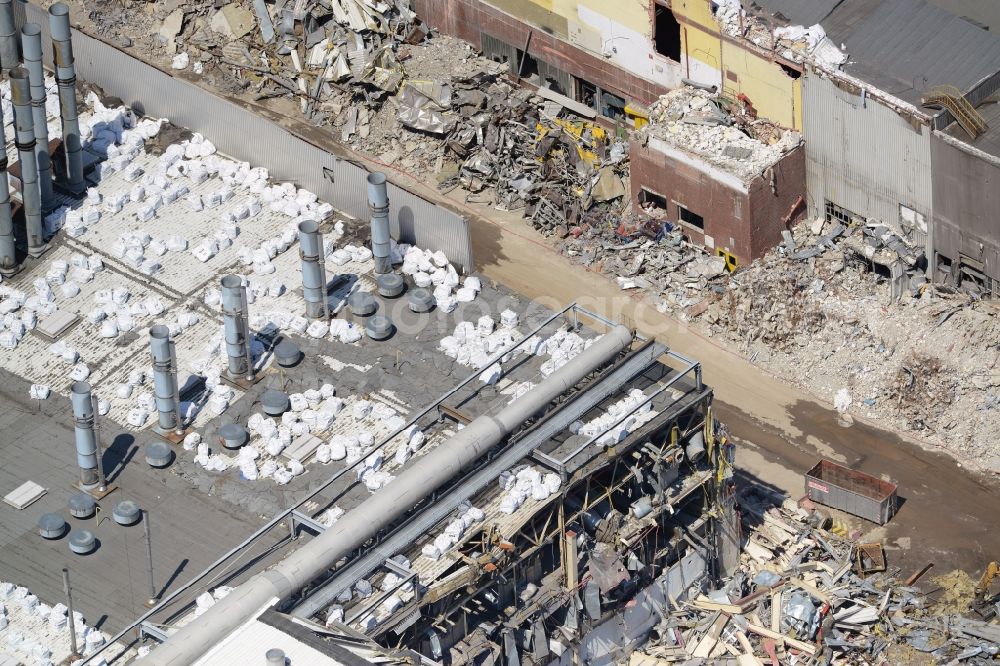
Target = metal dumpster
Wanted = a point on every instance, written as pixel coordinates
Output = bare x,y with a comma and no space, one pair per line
855,492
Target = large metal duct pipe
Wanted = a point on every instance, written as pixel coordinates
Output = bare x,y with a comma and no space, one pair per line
416,482
313,270
9,56
8,249
62,53
24,138
165,381
235,319
83,428
378,199
31,46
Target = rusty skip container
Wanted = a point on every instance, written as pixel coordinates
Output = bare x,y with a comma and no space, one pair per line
852,491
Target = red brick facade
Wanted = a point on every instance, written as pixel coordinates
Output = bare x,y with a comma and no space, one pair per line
747,224
467,19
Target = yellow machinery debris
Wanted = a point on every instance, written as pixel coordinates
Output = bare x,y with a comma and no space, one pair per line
637,115
584,133
984,603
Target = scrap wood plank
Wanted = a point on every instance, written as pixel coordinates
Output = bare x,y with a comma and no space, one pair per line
24,495
711,638
776,600
801,646
771,650
816,592
709,605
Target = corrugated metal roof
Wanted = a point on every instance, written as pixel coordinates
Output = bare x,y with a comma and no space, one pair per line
798,12
906,47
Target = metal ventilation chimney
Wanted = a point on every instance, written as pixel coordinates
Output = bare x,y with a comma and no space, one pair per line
8,251
378,199
275,657
31,45
24,138
83,427
234,314
62,52
165,388
313,270
9,57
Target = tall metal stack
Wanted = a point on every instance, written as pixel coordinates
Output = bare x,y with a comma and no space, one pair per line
9,56
24,138
83,428
31,46
313,270
8,250
165,389
378,199
62,50
237,325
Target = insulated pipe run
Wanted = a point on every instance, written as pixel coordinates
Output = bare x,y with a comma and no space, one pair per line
165,380
378,199
237,327
313,270
31,46
416,482
24,138
8,250
83,428
9,57
62,53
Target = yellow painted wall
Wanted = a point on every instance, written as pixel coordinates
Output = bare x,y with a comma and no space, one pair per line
633,14
695,11
702,46
774,94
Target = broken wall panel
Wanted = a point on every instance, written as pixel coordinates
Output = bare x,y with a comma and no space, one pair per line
290,157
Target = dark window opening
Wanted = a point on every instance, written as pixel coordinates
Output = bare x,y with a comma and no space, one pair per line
667,34
528,65
586,93
651,201
732,76
842,215
687,217
791,71
612,106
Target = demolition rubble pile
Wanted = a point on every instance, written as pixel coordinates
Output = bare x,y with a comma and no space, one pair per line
802,594
793,42
849,311
372,74
699,122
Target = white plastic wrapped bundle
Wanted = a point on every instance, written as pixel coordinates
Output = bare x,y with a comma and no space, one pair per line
324,419
431,552
297,402
109,329
323,453
439,259
340,257
137,417
317,329
464,295
295,467
492,374
422,279
79,372
510,502
443,542
338,448
39,392
331,516
361,254
327,391
191,440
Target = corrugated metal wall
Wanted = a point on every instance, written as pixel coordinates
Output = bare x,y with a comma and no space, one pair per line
966,205
863,156
245,135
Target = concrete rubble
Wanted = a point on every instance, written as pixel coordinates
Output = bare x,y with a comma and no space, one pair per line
718,131
803,594
383,85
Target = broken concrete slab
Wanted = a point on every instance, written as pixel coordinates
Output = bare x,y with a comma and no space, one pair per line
233,21
171,27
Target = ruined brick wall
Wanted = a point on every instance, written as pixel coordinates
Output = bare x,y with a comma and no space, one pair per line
467,19
746,223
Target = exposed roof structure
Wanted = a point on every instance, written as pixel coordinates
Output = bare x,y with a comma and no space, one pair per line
797,12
